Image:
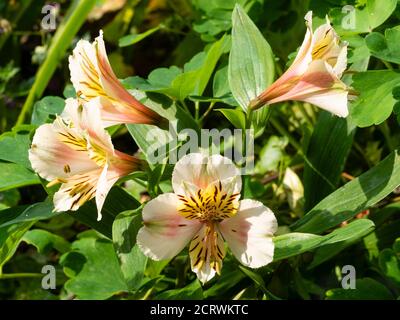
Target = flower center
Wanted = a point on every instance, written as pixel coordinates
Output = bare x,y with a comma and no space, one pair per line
210,204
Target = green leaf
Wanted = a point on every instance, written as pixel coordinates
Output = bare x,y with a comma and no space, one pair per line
365,17
259,281
326,252
292,244
329,160
9,198
251,61
44,110
14,145
385,47
366,289
155,142
235,116
34,212
192,291
44,241
133,262
259,120
354,197
118,200
271,154
195,80
131,39
375,103
15,175
159,80
94,270
389,263
10,237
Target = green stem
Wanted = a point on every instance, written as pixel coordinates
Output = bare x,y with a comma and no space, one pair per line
63,37
305,114
197,110
386,133
275,123
210,107
20,275
387,64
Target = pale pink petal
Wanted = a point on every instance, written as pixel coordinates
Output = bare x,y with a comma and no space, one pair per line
249,233
321,87
51,158
165,232
303,57
198,171
92,76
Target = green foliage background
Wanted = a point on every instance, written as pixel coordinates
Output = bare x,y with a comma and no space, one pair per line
187,62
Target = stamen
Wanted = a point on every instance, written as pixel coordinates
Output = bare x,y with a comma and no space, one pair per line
210,204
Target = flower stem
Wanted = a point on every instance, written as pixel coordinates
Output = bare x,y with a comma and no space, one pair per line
196,110
20,275
305,114
205,114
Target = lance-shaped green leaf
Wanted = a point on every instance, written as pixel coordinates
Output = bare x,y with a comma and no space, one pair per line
131,39
295,243
354,197
251,61
365,289
195,80
10,238
327,156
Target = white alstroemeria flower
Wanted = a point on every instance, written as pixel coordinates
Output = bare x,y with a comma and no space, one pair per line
77,152
205,210
314,76
93,77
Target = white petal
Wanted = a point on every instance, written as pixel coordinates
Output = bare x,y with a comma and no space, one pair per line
341,63
198,170
84,70
303,57
104,186
249,233
207,252
165,232
89,120
78,190
52,159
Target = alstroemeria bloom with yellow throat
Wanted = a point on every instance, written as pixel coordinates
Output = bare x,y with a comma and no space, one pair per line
93,78
205,210
314,76
76,152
